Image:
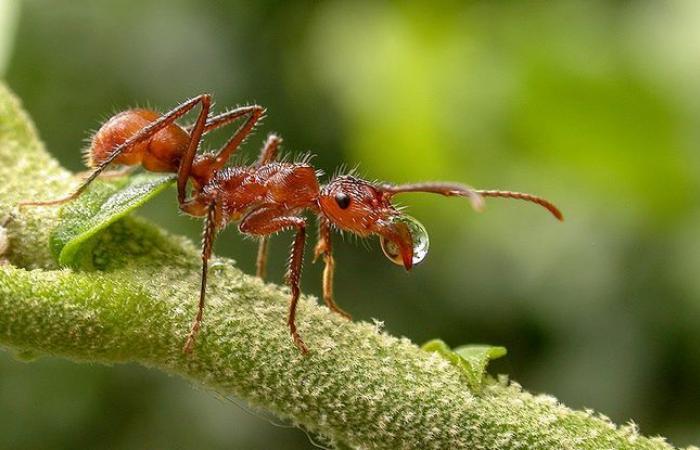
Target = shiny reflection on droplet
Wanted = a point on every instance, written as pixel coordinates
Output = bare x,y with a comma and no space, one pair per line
419,236
217,265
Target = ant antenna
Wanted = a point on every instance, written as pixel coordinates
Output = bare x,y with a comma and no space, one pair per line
475,196
446,189
526,197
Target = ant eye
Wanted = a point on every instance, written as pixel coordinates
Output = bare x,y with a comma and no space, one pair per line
343,200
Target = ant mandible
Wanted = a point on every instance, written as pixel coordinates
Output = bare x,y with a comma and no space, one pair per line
265,197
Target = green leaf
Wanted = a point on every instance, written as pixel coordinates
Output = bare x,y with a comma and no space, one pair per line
99,207
477,357
471,359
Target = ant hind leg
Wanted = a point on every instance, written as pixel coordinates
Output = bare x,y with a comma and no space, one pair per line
116,173
254,113
216,161
143,135
207,243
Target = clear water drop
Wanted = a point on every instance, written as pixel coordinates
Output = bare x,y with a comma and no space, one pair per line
217,265
419,236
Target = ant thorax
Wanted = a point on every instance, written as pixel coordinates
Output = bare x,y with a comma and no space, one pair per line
241,189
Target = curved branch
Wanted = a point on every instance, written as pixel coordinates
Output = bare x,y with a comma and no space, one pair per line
359,386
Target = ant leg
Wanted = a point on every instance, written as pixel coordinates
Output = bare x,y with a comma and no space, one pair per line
108,174
268,220
324,248
256,113
295,260
261,261
212,163
145,133
183,171
267,155
224,118
207,243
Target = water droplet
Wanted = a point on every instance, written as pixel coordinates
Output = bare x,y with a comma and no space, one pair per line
419,236
217,265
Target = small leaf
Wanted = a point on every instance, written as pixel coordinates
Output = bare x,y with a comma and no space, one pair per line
477,357
471,359
438,346
97,208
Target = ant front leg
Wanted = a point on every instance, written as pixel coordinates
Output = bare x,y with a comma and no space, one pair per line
269,220
324,248
143,135
208,236
268,154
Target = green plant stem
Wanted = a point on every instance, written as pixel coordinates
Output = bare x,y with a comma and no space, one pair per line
359,386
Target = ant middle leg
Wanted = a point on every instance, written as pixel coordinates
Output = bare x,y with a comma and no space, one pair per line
265,221
225,118
293,278
143,135
324,248
208,236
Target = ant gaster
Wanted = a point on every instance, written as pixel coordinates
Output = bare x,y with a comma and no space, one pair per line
265,197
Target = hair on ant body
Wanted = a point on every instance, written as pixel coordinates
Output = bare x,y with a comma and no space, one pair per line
267,196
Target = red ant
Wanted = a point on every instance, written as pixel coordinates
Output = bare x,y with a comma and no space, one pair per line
267,196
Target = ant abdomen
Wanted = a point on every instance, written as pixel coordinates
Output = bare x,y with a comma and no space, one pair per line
161,153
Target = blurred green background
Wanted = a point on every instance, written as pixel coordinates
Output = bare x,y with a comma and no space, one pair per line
593,104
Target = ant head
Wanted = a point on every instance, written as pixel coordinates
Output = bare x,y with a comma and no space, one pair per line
363,208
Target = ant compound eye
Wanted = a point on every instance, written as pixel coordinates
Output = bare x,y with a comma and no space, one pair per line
419,237
343,200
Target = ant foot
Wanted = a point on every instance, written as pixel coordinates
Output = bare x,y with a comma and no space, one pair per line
321,249
59,201
189,344
340,312
299,343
